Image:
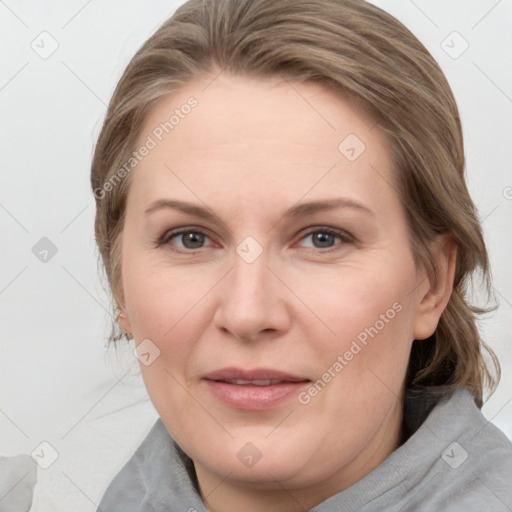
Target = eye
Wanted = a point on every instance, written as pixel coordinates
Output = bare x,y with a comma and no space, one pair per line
325,238
185,239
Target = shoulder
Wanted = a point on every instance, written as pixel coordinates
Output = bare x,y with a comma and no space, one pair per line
129,488
157,477
472,464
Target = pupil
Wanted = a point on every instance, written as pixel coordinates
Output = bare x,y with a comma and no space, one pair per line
192,240
323,239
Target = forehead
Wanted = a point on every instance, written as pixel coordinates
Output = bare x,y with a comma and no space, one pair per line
252,136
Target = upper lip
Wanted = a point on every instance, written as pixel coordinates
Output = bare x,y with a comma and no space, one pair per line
255,374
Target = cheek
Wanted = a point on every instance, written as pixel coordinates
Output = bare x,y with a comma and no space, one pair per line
360,369
167,310
369,314
159,298
360,303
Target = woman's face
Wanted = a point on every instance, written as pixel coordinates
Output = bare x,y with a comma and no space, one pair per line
268,274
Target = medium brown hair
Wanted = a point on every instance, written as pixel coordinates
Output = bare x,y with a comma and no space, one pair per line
364,53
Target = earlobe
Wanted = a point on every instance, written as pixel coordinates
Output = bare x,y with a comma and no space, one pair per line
433,302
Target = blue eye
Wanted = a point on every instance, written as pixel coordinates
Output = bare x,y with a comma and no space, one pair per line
185,239
325,238
192,240
321,239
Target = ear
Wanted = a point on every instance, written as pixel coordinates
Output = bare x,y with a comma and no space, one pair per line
124,321
122,315
436,293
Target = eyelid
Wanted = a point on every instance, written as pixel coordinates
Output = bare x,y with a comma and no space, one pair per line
344,235
171,233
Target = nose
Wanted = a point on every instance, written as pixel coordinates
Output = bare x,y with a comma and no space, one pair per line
252,303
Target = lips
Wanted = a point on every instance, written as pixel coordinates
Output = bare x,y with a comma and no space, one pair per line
229,374
257,389
258,382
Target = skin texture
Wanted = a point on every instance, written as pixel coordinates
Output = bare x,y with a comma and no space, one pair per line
249,151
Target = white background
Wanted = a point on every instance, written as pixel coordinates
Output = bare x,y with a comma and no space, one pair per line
58,382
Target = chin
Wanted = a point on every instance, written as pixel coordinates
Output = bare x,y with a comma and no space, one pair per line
254,460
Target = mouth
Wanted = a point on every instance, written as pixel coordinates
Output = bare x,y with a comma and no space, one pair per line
256,382
258,389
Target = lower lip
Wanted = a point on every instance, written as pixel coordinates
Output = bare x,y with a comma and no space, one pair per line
252,397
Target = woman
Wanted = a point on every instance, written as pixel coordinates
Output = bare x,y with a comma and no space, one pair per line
286,230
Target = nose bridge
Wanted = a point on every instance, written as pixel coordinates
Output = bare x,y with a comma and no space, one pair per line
250,280
250,301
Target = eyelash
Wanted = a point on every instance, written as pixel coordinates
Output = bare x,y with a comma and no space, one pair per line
346,238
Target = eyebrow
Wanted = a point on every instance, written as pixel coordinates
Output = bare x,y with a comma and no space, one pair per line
299,210
303,209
